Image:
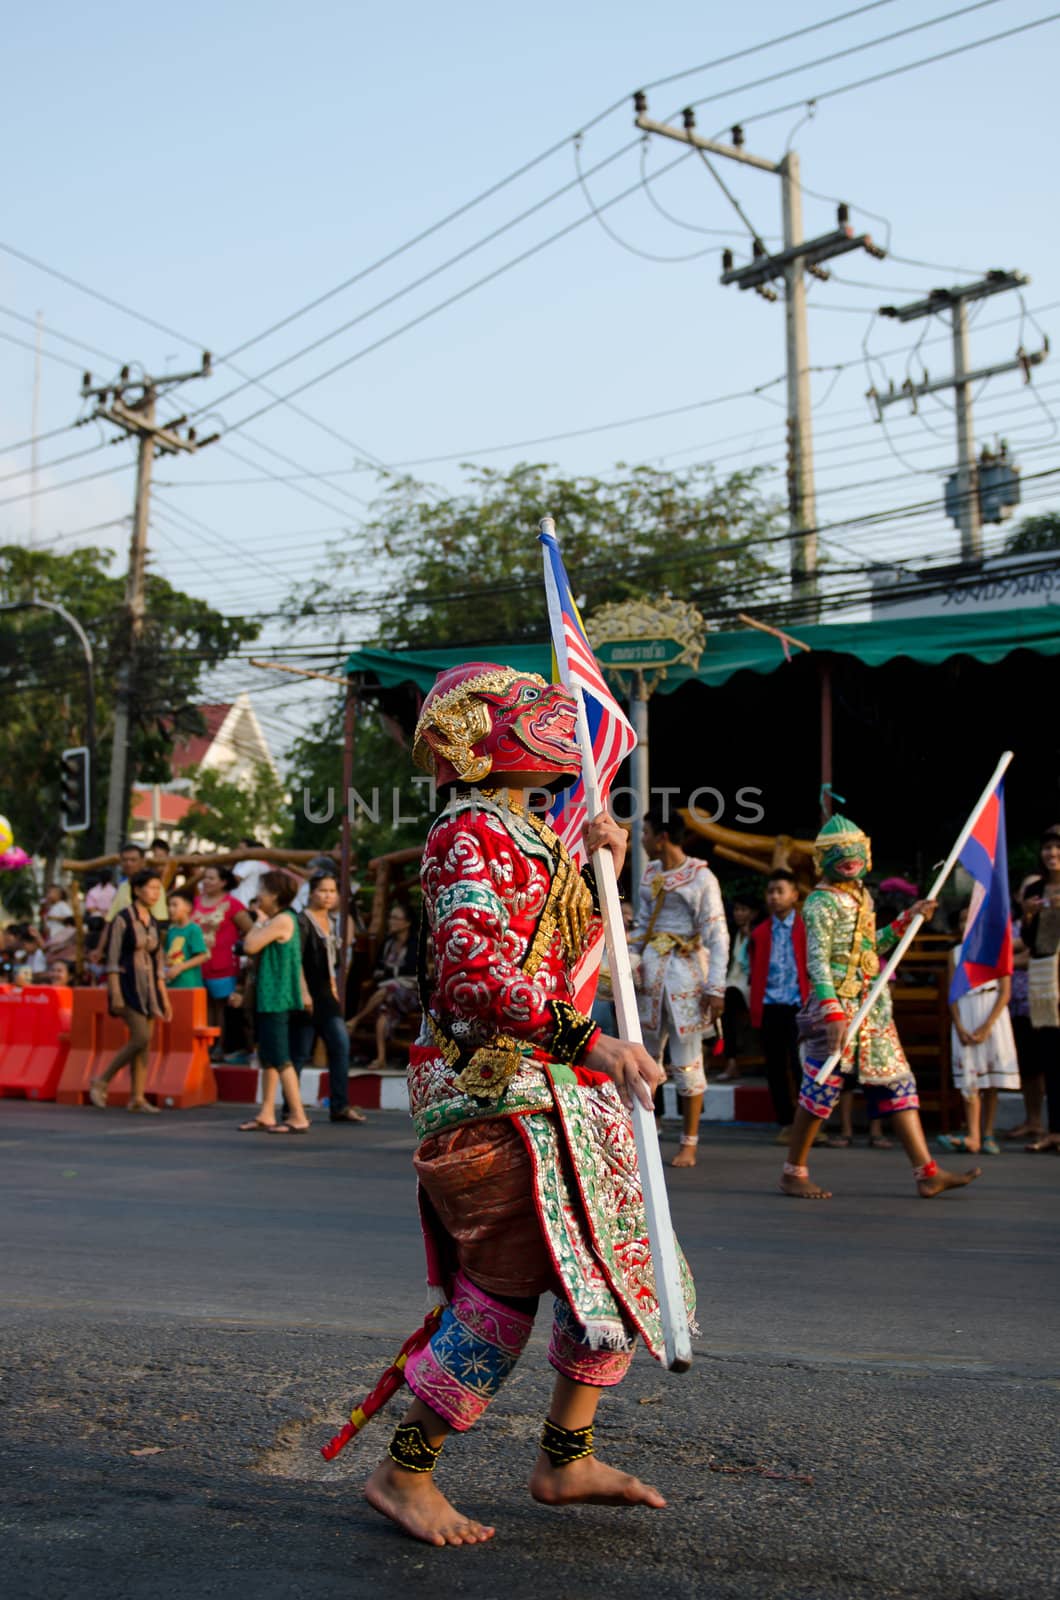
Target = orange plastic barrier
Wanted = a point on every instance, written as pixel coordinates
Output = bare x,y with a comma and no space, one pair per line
33,1040
179,1074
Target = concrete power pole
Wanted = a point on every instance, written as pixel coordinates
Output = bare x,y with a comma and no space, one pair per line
797,257
137,418
968,512
802,498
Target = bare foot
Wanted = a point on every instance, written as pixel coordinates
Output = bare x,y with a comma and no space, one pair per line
414,1501
589,1482
929,1187
802,1188
685,1157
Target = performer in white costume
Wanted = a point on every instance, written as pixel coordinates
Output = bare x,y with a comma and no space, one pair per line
680,950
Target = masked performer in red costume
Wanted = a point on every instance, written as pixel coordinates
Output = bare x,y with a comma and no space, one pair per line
527,1168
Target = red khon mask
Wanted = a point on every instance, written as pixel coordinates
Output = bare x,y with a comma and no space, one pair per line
481,721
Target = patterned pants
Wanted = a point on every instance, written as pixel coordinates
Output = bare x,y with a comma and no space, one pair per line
478,1343
881,1099
686,1053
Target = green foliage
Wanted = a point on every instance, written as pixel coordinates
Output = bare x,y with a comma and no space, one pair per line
467,568
1035,533
380,764
225,812
18,894
42,677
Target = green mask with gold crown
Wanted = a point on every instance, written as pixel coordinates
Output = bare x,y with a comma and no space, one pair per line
841,840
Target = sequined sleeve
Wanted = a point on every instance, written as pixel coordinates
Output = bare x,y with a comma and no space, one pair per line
645,902
820,914
888,937
472,872
713,931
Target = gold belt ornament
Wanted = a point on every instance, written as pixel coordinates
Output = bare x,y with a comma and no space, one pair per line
663,943
490,1069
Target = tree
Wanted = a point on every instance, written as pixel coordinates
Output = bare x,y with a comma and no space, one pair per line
394,812
224,812
1035,533
467,568
41,677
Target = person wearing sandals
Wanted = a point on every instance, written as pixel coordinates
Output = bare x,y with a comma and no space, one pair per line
280,996
1041,935
136,988
983,1052
321,930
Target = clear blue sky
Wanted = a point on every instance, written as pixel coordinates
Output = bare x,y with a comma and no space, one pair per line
218,167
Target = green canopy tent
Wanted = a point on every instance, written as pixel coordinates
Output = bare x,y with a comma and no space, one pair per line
921,709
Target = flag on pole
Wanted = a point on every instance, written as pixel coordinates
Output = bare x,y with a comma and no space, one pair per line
986,950
575,666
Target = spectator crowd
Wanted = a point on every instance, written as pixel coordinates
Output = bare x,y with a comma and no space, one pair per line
289,976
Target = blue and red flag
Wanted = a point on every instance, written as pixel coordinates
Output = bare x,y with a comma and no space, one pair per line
612,737
986,950
575,666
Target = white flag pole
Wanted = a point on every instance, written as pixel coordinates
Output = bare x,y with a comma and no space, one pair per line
828,1067
672,1312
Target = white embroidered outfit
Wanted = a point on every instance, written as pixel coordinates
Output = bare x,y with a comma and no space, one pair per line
682,940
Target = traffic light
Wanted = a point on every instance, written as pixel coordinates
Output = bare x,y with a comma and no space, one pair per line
75,785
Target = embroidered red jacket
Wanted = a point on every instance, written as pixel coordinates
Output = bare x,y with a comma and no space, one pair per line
486,878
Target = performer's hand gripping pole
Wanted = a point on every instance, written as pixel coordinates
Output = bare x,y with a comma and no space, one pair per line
672,1312
826,1069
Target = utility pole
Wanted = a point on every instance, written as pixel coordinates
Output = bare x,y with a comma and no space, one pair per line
797,257
968,511
137,418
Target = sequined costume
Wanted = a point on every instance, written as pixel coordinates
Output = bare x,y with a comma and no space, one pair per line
843,950
680,943
527,1167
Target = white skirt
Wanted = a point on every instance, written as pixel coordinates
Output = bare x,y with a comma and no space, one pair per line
992,1064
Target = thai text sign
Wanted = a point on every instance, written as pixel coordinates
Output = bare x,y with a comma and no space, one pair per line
640,652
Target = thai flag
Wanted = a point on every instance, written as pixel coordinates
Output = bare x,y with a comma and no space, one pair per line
986,952
575,666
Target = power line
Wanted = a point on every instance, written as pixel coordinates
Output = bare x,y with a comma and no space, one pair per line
909,66
68,483
38,438
535,161
54,333
59,461
49,355
840,55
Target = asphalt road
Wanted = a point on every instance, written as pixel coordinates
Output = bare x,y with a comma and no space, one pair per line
186,1314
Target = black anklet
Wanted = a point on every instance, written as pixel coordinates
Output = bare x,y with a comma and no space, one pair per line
564,1445
409,1448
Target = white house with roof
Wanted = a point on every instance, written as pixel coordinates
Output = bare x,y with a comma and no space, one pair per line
233,745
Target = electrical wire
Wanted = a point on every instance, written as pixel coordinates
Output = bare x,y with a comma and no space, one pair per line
840,55
49,355
48,331
645,255
535,161
38,438
453,299
896,72
58,461
679,222
68,483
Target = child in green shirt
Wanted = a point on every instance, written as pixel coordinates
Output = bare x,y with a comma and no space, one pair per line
185,944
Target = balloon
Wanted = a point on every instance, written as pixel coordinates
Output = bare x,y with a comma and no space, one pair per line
7,838
12,858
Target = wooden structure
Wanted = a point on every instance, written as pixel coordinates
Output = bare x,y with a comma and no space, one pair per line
760,852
